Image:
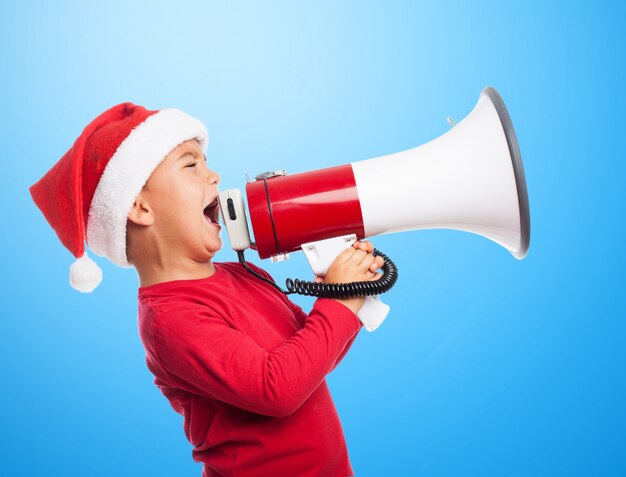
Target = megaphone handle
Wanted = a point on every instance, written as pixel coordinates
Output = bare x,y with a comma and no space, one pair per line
373,312
321,254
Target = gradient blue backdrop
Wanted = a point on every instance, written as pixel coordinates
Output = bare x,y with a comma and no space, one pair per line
487,366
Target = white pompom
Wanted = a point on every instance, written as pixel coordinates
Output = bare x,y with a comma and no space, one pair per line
85,274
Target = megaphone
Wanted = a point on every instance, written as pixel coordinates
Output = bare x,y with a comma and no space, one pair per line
470,179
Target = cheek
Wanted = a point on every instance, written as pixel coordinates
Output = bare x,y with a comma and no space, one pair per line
179,199
173,204
187,204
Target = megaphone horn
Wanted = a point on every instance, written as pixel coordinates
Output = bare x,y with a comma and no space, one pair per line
471,179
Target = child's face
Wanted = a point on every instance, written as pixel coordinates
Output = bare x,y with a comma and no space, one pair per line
181,195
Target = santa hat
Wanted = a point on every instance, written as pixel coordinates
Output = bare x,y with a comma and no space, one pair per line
87,195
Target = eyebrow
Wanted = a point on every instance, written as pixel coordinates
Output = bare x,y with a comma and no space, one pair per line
188,153
191,153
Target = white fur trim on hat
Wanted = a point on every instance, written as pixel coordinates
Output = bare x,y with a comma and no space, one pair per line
126,173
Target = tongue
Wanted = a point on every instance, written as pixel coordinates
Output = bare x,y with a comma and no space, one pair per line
207,215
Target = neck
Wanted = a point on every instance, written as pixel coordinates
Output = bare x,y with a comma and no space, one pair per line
151,273
158,261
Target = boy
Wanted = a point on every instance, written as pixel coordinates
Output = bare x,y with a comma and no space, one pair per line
242,363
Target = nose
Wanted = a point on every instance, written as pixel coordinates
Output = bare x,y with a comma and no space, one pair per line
212,177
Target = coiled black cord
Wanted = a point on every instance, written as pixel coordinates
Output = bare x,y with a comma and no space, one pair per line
336,290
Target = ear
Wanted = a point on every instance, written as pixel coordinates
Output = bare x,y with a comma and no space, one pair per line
140,213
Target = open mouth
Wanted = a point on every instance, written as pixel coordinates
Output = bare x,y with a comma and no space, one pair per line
211,212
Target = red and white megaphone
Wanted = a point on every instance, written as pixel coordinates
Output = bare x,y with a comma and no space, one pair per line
470,178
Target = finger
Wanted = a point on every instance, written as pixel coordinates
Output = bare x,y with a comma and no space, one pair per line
368,262
378,263
376,276
365,245
318,279
356,257
346,254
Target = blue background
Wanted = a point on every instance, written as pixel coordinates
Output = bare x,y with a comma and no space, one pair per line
487,366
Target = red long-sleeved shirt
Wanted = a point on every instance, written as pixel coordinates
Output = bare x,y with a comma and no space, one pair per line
245,367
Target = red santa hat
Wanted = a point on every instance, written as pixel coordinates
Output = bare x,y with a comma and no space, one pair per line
87,195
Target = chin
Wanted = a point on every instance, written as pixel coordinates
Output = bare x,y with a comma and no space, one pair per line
214,249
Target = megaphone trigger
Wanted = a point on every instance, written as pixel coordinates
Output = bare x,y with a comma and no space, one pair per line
321,254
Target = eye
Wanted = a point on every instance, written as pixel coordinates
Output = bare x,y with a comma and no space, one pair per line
191,164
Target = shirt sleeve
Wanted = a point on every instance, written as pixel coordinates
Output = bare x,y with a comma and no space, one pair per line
301,316
203,354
